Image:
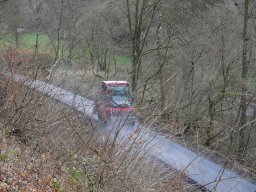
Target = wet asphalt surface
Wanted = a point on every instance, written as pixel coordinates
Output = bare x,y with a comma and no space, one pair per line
212,176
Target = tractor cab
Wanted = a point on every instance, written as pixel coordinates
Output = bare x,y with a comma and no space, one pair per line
117,92
116,88
115,100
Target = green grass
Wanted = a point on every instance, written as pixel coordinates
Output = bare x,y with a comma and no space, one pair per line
9,154
84,54
6,40
57,186
27,42
80,54
252,79
123,60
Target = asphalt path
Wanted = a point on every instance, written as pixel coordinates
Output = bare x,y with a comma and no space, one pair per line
212,176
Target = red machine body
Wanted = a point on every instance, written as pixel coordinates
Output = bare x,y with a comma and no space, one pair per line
114,100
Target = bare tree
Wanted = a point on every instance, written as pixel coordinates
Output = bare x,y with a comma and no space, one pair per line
58,8
37,7
244,90
140,15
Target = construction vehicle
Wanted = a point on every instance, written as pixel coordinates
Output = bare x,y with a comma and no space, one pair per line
114,101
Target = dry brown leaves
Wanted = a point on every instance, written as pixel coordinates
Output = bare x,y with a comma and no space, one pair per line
21,169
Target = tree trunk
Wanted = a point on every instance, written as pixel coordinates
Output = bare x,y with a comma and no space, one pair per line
16,37
243,101
139,26
162,93
57,51
211,113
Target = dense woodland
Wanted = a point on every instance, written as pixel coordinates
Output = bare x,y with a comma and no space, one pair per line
191,65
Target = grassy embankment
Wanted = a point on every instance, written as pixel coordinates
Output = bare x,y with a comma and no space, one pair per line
27,43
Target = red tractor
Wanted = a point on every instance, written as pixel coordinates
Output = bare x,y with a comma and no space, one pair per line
115,102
